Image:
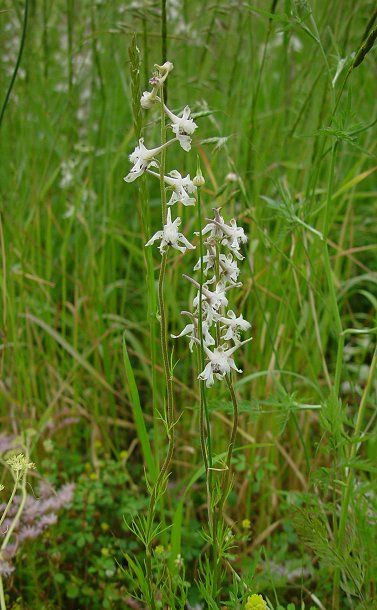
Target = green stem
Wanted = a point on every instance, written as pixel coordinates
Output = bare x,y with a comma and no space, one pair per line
164,38
12,81
2,598
12,527
232,441
168,378
18,514
225,484
9,501
206,446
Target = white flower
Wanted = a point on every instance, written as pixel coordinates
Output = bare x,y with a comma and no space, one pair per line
214,299
232,235
170,236
233,326
220,363
214,226
147,99
182,126
142,158
228,269
182,187
209,260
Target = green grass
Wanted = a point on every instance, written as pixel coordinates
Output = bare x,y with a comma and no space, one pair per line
78,332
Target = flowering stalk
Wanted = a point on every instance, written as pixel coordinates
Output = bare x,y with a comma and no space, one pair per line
143,160
213,328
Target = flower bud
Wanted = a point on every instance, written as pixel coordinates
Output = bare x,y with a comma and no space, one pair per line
165,68
198,180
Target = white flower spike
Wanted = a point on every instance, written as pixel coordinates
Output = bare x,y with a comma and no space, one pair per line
170,236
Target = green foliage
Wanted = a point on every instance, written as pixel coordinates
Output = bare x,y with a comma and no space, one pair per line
86,547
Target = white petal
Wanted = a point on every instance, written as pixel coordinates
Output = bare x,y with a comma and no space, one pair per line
187,329
133,175
156,236
183,239
185,142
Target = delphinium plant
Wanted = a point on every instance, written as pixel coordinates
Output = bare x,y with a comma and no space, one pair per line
147,160
214,330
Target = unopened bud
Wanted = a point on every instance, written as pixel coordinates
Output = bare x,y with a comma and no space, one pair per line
198,180
165,68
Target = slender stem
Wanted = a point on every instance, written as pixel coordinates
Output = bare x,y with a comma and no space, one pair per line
18,514
217,273
12,527
168,379
2,598
232,438
206,447
225,483
9,501
163,159
164,38
12,81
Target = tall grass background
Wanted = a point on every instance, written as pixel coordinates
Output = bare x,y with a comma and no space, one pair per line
299,134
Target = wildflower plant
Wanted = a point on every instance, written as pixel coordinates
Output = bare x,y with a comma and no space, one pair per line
182,189
214,329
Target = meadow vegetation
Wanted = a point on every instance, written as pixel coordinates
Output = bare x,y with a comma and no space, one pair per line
92,385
